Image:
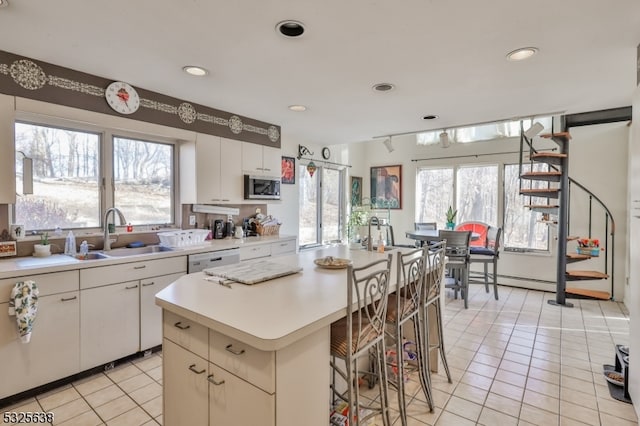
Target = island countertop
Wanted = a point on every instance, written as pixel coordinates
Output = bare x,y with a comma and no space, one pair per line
273,314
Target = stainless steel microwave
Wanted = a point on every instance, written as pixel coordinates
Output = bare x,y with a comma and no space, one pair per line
261,187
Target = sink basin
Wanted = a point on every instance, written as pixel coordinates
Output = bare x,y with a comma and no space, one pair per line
92,256
121,252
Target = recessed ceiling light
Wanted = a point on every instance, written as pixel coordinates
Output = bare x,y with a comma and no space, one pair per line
4,3
522,53
297,108
383,87
430,117
290,28
193,70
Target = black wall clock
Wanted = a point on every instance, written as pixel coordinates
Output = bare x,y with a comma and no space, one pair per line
326,153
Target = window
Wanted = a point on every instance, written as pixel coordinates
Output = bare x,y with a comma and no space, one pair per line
66,175
143,180
434,194
321,209
477,194
522,231
68,167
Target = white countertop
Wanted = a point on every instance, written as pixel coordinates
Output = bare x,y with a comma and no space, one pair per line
275,313
21,266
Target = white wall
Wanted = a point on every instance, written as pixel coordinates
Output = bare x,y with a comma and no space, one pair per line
597,159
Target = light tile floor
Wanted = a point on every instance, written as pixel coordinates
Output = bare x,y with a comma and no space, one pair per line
515,361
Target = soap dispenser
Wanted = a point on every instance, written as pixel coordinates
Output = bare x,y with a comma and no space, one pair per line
70,244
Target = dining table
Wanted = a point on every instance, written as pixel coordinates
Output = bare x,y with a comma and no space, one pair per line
430,235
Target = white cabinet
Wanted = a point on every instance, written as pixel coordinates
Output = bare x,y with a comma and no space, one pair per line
54,349
186,389
268,249
232,401
210,170
118,312
7,147
261,159
150,313
283,247
110,323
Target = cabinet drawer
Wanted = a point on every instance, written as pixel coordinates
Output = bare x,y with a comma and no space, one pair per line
104,275
283,247
186,333
254,252
253,365
56,282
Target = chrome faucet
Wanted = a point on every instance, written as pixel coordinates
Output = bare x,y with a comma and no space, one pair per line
373,220
123,221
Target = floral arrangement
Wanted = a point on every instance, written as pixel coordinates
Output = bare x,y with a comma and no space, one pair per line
589,242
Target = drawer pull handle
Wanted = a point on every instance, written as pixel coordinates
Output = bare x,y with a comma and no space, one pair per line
132,287
140,267
229,348
68,299
148,284
192,367
182,327
211,380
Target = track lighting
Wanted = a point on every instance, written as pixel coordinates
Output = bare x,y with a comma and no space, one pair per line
388,145
445,142
533,130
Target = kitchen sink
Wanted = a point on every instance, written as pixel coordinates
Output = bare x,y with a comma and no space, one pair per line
121,252
92,256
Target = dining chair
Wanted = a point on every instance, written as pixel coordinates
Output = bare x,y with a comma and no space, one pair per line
360,334
434,276
479,228
427,226
457,252
392,240
486,255
405,307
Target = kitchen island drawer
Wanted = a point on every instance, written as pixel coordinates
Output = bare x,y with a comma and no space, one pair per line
254,252
253,365
52,283
186,333
112,274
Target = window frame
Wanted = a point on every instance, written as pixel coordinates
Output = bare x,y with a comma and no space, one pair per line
106,182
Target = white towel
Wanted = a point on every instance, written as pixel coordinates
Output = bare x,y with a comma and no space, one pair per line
24,305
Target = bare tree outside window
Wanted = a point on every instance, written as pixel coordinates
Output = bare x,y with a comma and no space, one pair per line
434,194
477,194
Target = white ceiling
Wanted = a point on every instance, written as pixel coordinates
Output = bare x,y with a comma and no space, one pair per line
446,57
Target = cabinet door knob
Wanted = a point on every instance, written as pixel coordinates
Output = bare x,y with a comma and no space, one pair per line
132,287
148,284
211,380
140,267
68,299
180,326
192,367
229,348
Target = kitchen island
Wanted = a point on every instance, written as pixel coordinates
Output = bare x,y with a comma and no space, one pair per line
254,354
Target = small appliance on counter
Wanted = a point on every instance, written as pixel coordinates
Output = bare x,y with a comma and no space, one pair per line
230,227
219,229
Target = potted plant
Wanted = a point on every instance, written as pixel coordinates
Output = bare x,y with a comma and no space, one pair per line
451,217
44,248
357,218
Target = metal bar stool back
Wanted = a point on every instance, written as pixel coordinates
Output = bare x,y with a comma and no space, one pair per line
360,334
457,252
405,306
435,273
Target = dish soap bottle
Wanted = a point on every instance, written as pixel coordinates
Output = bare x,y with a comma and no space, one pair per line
380,243
70,244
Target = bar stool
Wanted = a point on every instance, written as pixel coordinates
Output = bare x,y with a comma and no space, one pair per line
405,305
361,334
434,275
486,255
458,264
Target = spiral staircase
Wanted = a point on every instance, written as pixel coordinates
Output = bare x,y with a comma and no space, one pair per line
552,189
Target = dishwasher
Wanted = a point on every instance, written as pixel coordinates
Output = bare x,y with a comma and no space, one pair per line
200,261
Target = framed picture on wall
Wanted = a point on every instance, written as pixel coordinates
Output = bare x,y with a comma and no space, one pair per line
356,191
288,175
386,187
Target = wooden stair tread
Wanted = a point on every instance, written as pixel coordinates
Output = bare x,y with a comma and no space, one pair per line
549,154
592,294
572,238
542,206
549,190
566,135
588,275
542,192
544,176
577,257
